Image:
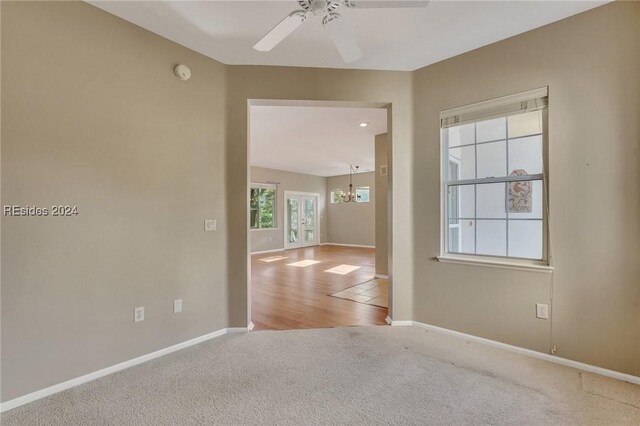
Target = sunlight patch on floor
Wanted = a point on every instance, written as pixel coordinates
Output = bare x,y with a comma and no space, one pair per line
303,263
343,269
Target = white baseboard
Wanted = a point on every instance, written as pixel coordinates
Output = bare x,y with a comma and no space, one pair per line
347,245
384,277
42,393
528,352
401,323
267,251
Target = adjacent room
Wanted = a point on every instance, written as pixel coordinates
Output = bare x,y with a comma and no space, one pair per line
318,216
316,212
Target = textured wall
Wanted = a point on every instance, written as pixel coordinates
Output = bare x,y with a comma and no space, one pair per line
146,158
266,239
352,223
142,155
368,88
382,206
591,63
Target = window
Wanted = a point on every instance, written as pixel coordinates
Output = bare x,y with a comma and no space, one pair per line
493,168
262,206
362,195
336,196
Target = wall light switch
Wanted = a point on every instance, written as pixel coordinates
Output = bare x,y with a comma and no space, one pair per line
542,311
177,306
209,224
138,314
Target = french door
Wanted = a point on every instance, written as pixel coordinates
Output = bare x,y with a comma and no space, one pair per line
301,220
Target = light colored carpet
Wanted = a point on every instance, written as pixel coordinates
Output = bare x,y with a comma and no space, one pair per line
356,375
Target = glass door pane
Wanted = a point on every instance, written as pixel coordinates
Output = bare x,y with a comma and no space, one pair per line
309,220
292,220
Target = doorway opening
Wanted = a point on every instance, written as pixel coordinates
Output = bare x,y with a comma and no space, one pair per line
319,239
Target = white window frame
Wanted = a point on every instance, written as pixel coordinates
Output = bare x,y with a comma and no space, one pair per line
520,103
256,185
339,191
368,188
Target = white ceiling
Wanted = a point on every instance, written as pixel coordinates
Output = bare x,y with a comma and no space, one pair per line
321,141
391,39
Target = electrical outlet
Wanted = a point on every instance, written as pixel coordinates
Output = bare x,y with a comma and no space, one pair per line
209,224
542,311
177,306
138,314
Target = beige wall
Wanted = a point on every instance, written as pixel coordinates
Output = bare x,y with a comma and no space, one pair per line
382,214
591,63
142,155
265,239
261,82
352,223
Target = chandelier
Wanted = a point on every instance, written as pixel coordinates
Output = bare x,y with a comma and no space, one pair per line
351,195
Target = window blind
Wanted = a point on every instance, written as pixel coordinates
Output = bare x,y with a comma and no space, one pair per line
520,103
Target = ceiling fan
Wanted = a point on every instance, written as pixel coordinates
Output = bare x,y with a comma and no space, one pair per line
332,21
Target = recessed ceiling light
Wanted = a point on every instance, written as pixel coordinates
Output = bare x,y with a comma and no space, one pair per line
364,124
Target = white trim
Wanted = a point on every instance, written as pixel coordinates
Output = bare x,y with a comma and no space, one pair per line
251,326
267,251
388,320
42,393
501,264
395,323
384,277
234,330
530,100
528,352
347,245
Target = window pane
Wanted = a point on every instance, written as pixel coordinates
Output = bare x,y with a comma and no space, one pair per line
454,170
525,124
525,238
461,202
491,130
292,213
253,218
525,200
491,200
268,208
253,198
491,237
362,195
461,236
460,135
526,154
492,159
335,196
465,158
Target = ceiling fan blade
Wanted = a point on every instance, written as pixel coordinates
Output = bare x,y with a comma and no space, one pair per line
280,31
385,4
344,40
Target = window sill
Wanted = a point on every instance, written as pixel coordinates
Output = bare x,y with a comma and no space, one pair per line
520,266
264,229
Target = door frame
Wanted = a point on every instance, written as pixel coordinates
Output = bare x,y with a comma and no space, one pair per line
388,106
286,219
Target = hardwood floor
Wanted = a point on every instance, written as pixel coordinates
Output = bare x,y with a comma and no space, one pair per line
293,297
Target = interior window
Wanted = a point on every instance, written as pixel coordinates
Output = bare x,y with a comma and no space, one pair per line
493,178
362,194
262,206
